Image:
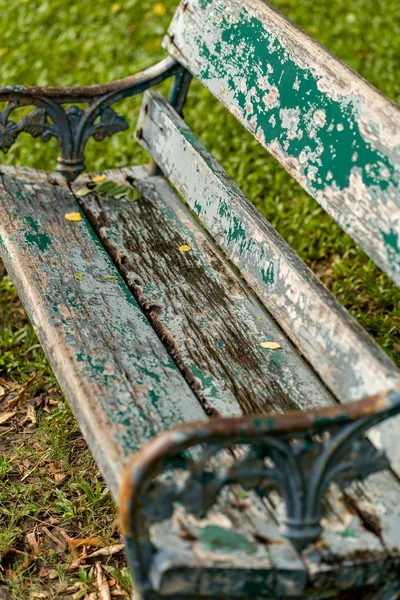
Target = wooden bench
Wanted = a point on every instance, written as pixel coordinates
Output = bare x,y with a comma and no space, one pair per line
198,316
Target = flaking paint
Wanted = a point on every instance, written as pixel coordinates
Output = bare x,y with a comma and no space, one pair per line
338,138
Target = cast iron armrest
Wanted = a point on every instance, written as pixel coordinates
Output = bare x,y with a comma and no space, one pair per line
73,126
308,450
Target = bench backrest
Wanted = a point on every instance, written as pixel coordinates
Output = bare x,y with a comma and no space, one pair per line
271,76
332,131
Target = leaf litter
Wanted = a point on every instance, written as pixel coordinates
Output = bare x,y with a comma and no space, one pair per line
39,544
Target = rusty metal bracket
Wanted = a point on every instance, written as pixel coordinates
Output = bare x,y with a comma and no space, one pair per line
299,454
73,126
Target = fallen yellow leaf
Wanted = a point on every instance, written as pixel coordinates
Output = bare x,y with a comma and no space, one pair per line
3,51
4,417
116,7
184,248
99,178
270,345
159,9
73,217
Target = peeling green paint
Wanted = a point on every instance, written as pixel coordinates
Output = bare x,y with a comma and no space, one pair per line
333,132
225,540
392,244
268,274
338,138
39,239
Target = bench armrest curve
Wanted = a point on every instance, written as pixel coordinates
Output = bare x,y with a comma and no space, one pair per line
73,126
309,450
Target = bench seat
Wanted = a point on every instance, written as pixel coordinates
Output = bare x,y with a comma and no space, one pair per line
142,336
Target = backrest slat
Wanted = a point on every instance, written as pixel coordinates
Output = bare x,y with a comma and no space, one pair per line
332,131
339,349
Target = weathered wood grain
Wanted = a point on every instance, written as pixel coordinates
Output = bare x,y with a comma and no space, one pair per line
332,131
338,348
121,383
209,320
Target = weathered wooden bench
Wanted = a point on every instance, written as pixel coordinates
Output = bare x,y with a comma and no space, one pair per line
197,316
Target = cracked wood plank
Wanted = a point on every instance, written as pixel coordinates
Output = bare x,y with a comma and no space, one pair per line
120,381
208,319
350,363
332,131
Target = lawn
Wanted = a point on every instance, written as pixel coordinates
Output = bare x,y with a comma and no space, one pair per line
50,492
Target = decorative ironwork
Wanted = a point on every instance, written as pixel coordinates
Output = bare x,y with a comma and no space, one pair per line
73,126
298,454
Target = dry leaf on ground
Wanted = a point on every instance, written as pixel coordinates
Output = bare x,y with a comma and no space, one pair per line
102,583
108,551
29,417
6,416
19,395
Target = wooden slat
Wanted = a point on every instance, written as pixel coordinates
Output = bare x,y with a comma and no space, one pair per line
338,348
337,135
121,384
210,320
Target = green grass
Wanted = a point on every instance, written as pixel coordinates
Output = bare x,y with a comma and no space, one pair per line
55,42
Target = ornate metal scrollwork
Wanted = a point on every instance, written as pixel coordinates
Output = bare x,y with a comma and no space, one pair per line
298,454
73,126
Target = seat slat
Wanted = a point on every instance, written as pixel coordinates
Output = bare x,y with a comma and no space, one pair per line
121,383
210,320
332,131
346,358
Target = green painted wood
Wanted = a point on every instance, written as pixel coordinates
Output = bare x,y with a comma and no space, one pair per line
121,383
207,317
337,135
